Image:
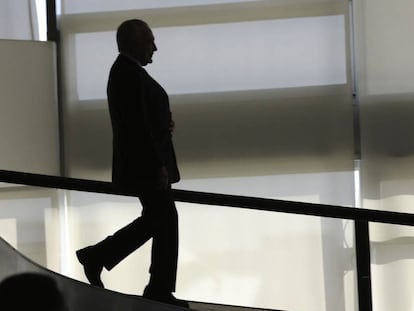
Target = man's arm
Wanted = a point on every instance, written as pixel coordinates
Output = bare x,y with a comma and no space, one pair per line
136,122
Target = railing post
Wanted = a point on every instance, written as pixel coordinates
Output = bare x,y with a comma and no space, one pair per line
363,262
53,35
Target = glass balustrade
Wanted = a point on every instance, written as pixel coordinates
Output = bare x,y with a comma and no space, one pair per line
227,255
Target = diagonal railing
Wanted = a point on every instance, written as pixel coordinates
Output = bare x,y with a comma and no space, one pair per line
361,216
281,206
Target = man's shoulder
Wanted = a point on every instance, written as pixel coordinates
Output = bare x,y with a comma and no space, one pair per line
125,68
124,61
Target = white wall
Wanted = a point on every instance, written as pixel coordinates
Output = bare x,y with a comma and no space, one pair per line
28,107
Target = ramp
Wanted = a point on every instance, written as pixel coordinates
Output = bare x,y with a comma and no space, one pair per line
80,296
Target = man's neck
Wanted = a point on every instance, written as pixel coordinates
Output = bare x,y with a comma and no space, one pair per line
136,61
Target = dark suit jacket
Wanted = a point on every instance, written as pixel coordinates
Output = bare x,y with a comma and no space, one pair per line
140,117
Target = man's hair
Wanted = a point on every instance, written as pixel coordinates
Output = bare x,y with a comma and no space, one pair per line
129,32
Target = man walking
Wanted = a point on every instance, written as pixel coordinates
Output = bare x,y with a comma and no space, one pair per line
143,162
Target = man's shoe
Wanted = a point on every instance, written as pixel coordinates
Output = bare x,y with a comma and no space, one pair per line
91,266
164,297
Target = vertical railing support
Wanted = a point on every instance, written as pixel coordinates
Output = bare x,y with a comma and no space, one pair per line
53,35
363,261
51,20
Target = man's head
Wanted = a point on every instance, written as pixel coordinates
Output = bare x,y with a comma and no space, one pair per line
135,38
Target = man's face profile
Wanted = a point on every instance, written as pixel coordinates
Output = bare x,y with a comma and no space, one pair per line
145,45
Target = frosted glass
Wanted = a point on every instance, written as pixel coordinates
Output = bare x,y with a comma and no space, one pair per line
392,266
25,219
257,97
252,55
385,46
23,19
82,6
385,69
15,20
273,54
8,230
334,188
386,88
228,255
222,135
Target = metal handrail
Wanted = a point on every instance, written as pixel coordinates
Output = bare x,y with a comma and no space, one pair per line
311,209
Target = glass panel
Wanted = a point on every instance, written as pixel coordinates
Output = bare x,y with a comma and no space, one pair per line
392,266
276,111
30,222
334,188
227,255
386,88
385,58
226,57
82,6
23,20
265,259
15,20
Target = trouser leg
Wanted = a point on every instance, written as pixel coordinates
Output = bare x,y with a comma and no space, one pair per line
125,241
159,220
164,253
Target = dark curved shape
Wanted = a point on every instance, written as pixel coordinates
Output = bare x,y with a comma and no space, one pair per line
80,296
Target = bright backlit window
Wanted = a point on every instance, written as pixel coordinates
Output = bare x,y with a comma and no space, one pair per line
271,54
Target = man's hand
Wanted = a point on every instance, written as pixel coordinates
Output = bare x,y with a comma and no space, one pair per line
172,126
163,182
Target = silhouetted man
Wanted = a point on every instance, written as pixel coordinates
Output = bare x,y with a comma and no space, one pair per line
143,161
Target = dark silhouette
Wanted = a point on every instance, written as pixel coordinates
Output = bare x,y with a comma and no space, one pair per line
143,161
31,291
